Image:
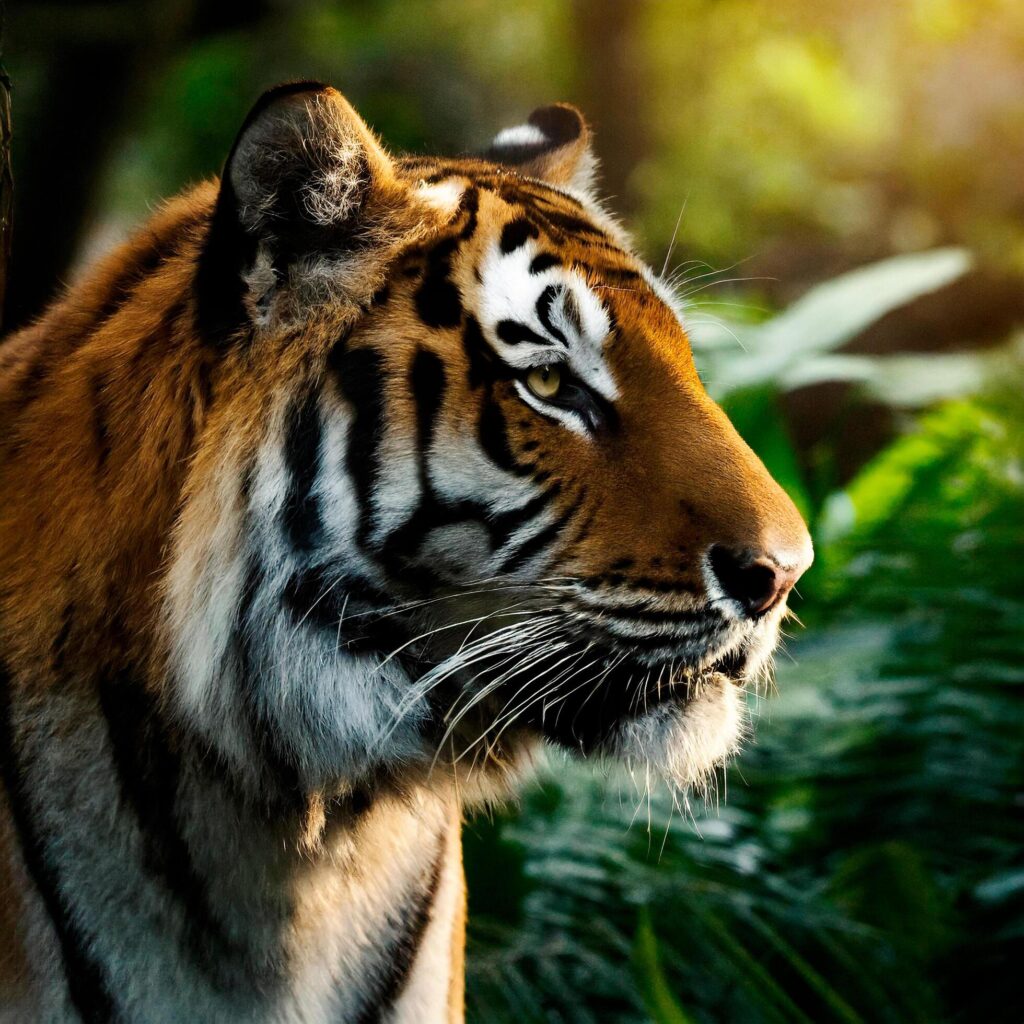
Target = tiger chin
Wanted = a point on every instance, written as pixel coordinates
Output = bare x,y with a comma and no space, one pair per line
329,497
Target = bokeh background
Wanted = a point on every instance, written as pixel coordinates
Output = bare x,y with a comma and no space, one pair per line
845,187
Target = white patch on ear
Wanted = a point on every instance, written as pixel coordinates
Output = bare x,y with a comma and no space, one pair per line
444,196
520,135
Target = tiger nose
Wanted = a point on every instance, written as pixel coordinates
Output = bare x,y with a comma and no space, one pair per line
757,581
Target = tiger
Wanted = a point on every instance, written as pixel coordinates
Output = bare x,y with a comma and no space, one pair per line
332,499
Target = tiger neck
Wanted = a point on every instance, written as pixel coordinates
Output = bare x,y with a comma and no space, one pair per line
188,901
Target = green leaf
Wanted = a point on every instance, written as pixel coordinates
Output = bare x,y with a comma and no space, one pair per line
657,996
786,351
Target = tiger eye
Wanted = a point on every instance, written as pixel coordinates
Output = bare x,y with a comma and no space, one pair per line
544,381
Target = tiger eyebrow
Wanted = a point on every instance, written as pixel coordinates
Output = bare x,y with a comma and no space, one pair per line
513,332
543,306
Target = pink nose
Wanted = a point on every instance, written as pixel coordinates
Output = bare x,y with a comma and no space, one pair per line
756,581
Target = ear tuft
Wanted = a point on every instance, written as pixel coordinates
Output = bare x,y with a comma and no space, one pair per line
554,145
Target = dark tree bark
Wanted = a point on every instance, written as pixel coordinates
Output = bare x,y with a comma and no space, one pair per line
6,176
100,60
614,95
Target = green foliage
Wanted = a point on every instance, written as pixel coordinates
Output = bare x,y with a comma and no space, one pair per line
657,996
796,347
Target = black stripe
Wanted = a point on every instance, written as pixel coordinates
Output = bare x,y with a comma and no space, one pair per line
571,225
122,289
438,301
479,355
572,313
493,433
144,265
557,223
101,428
31,383
400,547
279,767
469,206
544,302
312,598
324,597
621,274
87,986
149,774
398,552
540,540
545,261
503,525
512,332
625,614
616,578
437,298
550,196
515,233
359,372
428,381
302,452
388,978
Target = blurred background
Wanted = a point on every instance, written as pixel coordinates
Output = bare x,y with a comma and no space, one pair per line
844,183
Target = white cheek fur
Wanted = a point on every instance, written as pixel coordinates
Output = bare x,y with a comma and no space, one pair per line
683,744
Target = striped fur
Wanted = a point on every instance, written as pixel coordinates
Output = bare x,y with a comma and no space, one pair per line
297,562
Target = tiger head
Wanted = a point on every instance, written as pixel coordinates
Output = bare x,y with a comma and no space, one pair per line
459,489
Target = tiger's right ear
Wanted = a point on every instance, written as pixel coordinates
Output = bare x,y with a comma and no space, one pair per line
306,183
554,145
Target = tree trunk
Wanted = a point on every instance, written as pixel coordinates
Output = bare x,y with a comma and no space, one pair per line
614,92
6,178
64,152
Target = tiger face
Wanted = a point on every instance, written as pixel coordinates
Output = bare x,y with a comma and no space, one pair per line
461,490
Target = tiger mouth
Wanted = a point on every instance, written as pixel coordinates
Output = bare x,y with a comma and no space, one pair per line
628,689
581,707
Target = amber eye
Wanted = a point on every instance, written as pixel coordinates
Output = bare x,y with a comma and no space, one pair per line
544,381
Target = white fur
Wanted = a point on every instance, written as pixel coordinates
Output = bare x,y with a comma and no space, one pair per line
683,743
520,135
320,914
443,196
510,292
424,999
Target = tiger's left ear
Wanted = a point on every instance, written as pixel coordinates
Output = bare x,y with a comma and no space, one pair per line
306,188
554,145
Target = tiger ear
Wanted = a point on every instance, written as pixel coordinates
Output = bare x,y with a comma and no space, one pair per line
306,183
554,145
